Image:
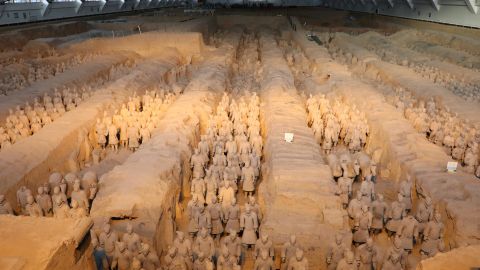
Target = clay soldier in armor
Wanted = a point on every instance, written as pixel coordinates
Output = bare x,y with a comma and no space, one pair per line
408,232
5,207
367,189
226,195
355,206
211,187
264,244
216,214
101,133
22,195
204,244
379,214
249,225
193,207
347,263
112,137
248,179
344,190
255,208
122,257
45,202
363,223
424,213
204,219
233,244
263,261
107,240
148,258
298,261
433,237
198,188
184,248
395,256
32,208
197,163
232,217
132,240
395,215
227,260
173,261
80,196
202,263
133,137
288,251
367,255
406,192
60,209
76,211
335,252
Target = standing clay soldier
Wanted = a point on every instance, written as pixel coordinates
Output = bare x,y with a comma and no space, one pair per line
80,196
216,214
248,179
204,244
226,195
298,261
406,192
76,211
197,163
379,214
204,220
367,255
184,248
148,258
101,133
424,213
249,225
60,209
363,222
355,206
227,260
32,208
433,237
193,207
264,244
347,263
288,251
396,214
124,133
211,186
22,195
45,202
173,261
5,207
112,137
58,194
344,190
121,258
133,137
232,217
107,240
198,188
132,240
395,257
255,208
263,261
335,252
367,189
233,244
408,232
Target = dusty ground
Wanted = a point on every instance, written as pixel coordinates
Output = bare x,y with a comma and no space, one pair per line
362,59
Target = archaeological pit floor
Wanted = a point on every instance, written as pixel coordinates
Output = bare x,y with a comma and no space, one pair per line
389,86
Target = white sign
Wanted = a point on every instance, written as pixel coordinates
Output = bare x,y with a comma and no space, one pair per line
452,166
289,137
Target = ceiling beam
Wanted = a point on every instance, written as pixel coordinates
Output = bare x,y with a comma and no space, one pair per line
410,3
436,4
472,6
